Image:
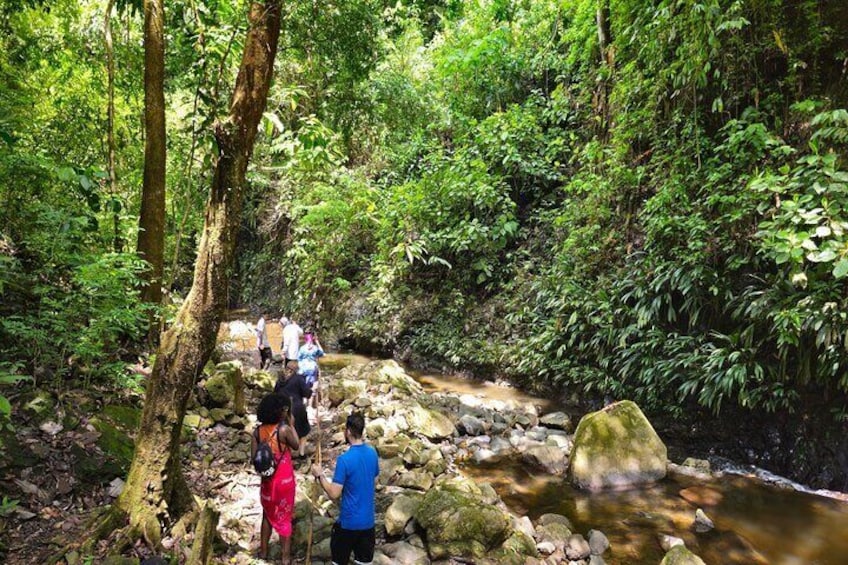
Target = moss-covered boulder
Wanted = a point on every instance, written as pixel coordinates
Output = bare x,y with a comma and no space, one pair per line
679,555
616,447
341,389
38,406
428,422
390,373
460,522
263,380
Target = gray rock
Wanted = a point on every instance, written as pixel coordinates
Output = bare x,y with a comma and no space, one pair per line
399,513
556,533
484,454
667,541
546,519
576,547
429,423
471,425
596,560
598,542
551,459
418,480
700,465
499,445
545,547
523,524
403,553
558,420
702,522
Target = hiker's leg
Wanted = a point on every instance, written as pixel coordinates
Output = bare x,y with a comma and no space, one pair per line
264,536
285,549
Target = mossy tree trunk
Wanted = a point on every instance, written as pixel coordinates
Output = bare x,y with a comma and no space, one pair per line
156,492
151,222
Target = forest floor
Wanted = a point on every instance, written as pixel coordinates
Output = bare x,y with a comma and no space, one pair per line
61,473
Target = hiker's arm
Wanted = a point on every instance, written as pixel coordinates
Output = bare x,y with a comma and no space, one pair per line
333,490
290,434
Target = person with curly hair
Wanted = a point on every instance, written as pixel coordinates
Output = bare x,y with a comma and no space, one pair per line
276,493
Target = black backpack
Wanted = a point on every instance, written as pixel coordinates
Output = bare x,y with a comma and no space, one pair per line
263,460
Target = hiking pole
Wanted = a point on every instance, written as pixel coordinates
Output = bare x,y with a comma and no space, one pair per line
312,506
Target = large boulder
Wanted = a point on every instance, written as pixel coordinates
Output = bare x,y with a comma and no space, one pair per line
225,387
679,555
400,512
341,389
552,459
429,423
616,447
263,380
460,522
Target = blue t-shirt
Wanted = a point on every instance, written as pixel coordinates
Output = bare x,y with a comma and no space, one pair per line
356,470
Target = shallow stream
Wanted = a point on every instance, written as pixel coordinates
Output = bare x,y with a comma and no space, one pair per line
756,522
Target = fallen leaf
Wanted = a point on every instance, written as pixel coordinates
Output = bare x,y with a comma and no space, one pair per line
51,428
116,487
27,487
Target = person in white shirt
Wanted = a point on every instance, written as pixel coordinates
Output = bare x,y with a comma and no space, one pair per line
262,344
291,340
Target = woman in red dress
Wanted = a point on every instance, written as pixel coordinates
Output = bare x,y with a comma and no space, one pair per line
276,427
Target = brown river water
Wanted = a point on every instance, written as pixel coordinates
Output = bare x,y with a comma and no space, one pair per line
756,522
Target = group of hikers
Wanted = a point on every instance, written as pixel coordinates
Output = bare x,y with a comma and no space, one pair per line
283,425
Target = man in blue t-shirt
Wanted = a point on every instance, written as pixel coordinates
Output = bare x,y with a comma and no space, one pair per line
353,482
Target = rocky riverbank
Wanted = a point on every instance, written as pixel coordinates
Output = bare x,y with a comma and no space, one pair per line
427,510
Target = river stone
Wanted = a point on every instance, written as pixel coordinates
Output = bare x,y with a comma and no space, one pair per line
524,524
679,555
471,426
700,465
560,441
482,455
400,512
460,523
429,423
402,553
616,447
702,522
596,560
516,549
262,380
667,541
546,547
556,533
418,480
552,459
598,542
576,547
389,372
389,468
547,519
558,420
340,390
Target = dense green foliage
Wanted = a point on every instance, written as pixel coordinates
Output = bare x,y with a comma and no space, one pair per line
477,183
665,222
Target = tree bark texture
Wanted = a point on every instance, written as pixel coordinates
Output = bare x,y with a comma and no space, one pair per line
151,223
602,21
155,490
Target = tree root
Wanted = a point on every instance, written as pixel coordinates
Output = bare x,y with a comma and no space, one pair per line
112,522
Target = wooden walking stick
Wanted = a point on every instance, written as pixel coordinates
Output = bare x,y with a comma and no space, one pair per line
312,505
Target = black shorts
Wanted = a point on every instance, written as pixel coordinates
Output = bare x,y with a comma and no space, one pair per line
360,542
265,354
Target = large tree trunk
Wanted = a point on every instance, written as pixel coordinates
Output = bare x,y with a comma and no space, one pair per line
156,491
151,223
110,118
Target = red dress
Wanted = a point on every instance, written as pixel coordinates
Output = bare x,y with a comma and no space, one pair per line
277,492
